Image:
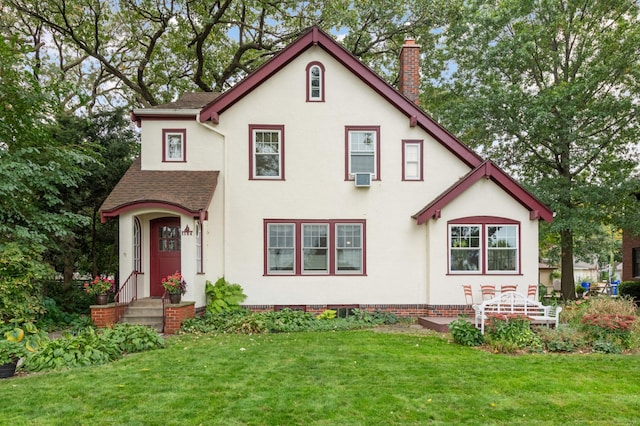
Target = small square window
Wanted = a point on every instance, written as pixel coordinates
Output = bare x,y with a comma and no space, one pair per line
174,145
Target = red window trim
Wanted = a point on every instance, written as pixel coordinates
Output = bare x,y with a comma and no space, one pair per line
165,133
420,144
347,129
483,221
253,127
308,71
297,223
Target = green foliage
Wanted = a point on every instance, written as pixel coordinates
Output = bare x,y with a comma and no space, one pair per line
549,91
223,296
91,347
21,275
10,351
87,348
132,338
69,298
243,35
465,333
282,321
508,333
630,289
327,315
562,339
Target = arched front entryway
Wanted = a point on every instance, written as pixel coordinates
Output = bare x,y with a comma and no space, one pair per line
165,250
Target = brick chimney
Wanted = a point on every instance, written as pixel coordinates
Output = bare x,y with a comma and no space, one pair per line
410,70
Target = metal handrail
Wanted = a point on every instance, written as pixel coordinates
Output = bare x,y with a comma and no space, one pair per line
128,291
165,295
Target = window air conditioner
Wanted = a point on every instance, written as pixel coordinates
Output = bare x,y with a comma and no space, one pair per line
363,180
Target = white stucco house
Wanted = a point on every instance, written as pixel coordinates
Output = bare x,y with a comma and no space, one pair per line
313,183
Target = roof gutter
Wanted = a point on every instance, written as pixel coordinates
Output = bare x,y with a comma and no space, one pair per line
138,114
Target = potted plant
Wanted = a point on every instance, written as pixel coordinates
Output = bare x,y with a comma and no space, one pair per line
175,285
100,287
10,353
16,344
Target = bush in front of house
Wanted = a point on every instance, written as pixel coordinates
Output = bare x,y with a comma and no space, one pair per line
282,321
465,333
91,347
630,289
510,333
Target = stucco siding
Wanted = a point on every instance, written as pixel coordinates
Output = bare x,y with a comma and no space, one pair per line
484,198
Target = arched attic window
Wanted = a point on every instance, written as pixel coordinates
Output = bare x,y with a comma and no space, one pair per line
315,82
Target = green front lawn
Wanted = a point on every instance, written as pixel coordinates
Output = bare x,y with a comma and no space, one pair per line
327,378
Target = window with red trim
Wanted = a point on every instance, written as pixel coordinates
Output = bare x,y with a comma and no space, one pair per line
412,160
315,82
362,150
314,247
484,246
174,145
266,159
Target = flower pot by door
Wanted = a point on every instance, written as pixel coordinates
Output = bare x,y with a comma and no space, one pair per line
8,370
175,298
102,299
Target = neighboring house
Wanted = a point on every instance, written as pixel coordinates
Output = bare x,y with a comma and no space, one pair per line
314,183
630,256
585,272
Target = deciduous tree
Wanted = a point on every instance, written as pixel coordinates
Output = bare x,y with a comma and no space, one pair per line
550,89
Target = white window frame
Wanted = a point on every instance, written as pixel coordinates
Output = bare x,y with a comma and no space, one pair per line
270,267
455,248
311,78
306,269
513,237
254,130
351,133
199,260
137,245
483,246
167,136
350,246
409,163
333,247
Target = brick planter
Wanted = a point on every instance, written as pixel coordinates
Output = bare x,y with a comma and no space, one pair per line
107,315
176,313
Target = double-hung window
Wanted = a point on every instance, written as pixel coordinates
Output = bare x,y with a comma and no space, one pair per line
314,247
174,146
484,246
281,248
412,160
267,152
362,151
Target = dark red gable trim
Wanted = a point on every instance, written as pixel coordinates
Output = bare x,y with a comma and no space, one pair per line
316,37
104,215
487,170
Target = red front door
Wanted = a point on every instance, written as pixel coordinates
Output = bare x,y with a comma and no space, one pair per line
165,251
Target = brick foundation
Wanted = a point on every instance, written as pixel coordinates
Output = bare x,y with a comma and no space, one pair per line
107,315
175,314
402,311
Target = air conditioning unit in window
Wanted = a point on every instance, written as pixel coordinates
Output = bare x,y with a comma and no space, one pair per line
362,180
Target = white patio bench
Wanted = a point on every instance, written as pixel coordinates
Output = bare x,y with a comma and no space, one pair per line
514,303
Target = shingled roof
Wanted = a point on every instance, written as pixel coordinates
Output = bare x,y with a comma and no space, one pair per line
186,192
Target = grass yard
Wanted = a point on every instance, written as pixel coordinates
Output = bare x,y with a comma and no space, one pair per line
328,378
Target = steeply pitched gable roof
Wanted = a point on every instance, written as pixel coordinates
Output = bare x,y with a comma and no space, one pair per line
488,170
186,192
316,37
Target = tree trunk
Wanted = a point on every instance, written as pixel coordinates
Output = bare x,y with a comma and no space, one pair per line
567,283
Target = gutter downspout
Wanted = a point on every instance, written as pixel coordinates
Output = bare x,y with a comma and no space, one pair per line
224,190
